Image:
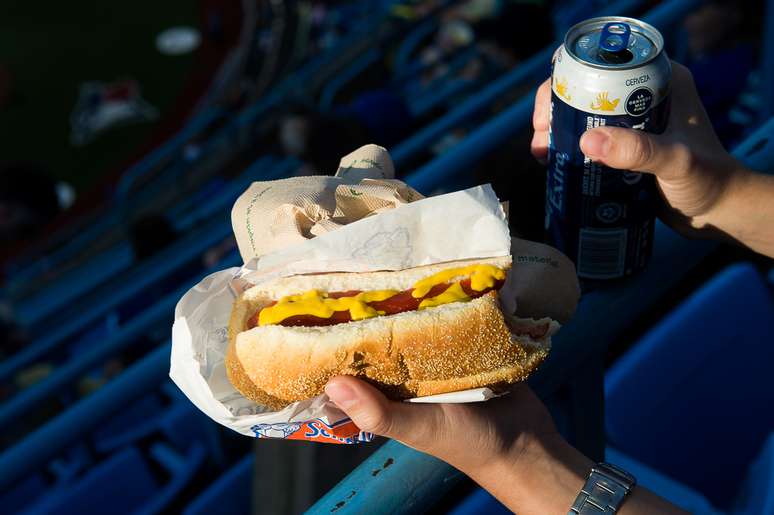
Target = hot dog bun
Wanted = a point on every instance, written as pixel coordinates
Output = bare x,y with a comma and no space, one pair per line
437,350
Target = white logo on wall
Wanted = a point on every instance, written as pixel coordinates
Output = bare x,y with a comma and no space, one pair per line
102,106
609,212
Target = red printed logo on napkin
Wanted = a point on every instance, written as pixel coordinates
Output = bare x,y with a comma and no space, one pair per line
343,432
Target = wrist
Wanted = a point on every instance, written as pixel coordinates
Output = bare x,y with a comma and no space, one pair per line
546,464
724,215
745,212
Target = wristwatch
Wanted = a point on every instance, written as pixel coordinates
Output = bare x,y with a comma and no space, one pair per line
604,491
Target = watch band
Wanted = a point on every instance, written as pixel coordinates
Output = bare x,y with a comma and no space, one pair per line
604,491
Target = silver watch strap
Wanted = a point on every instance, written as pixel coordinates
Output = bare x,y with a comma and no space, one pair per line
604,491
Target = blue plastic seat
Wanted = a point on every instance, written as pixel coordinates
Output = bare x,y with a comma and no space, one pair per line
230,493
757,493
124,483
479,501
119,485
666,487
693,398
19,496
133,422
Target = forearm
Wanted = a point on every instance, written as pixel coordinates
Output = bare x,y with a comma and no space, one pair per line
746,213
546,477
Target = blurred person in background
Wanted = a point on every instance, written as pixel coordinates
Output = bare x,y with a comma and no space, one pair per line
320,140
512,447
490,25
722,51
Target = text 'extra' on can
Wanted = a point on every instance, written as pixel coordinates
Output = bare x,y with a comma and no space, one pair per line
610,71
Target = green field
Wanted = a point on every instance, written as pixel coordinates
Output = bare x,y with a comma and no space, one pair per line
50,48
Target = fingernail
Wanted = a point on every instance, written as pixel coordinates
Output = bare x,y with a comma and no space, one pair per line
342,395
595,144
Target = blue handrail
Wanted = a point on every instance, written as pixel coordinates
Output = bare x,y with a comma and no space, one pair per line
86,278
143,276
159,154
757,151
82,417
64,374
409,45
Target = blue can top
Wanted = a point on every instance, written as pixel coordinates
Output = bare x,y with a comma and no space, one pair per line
614,42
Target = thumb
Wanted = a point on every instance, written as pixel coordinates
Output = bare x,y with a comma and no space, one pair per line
628,149
368,408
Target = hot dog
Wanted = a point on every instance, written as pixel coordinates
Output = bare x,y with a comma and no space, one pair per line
422,331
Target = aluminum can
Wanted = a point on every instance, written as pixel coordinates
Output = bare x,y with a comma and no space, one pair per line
609,71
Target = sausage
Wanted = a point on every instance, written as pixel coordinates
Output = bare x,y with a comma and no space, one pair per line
398,303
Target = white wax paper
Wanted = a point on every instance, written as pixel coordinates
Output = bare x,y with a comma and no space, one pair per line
461,225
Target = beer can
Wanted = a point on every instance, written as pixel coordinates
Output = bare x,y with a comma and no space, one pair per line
610,71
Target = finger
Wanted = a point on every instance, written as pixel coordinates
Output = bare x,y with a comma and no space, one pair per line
683,86
413,424
687,111
627,149
539,146
542,113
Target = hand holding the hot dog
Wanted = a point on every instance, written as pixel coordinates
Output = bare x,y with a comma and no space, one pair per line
508,445
706,191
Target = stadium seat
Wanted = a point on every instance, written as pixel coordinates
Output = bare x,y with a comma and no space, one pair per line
479,501
757,493
230,493
32,487
104,489
671,490
692,398
135,421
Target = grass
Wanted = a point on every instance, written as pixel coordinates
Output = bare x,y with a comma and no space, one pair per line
50,48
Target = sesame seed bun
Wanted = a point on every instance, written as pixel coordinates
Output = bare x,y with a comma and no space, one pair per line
448,348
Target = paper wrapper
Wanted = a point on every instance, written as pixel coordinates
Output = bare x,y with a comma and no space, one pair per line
360,220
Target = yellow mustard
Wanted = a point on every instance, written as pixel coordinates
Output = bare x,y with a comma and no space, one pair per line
453,293
481,278
317,303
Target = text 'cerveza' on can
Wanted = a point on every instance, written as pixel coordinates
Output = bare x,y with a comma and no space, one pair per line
610,71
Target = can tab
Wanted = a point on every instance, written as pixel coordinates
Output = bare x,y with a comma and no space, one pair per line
614,43
615,37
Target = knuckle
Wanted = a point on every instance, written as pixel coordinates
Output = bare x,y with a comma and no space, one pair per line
683,157
377,422
639,152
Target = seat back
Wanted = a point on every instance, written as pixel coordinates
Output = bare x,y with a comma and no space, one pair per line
693,398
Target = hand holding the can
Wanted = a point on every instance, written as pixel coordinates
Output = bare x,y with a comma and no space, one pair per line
701,183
